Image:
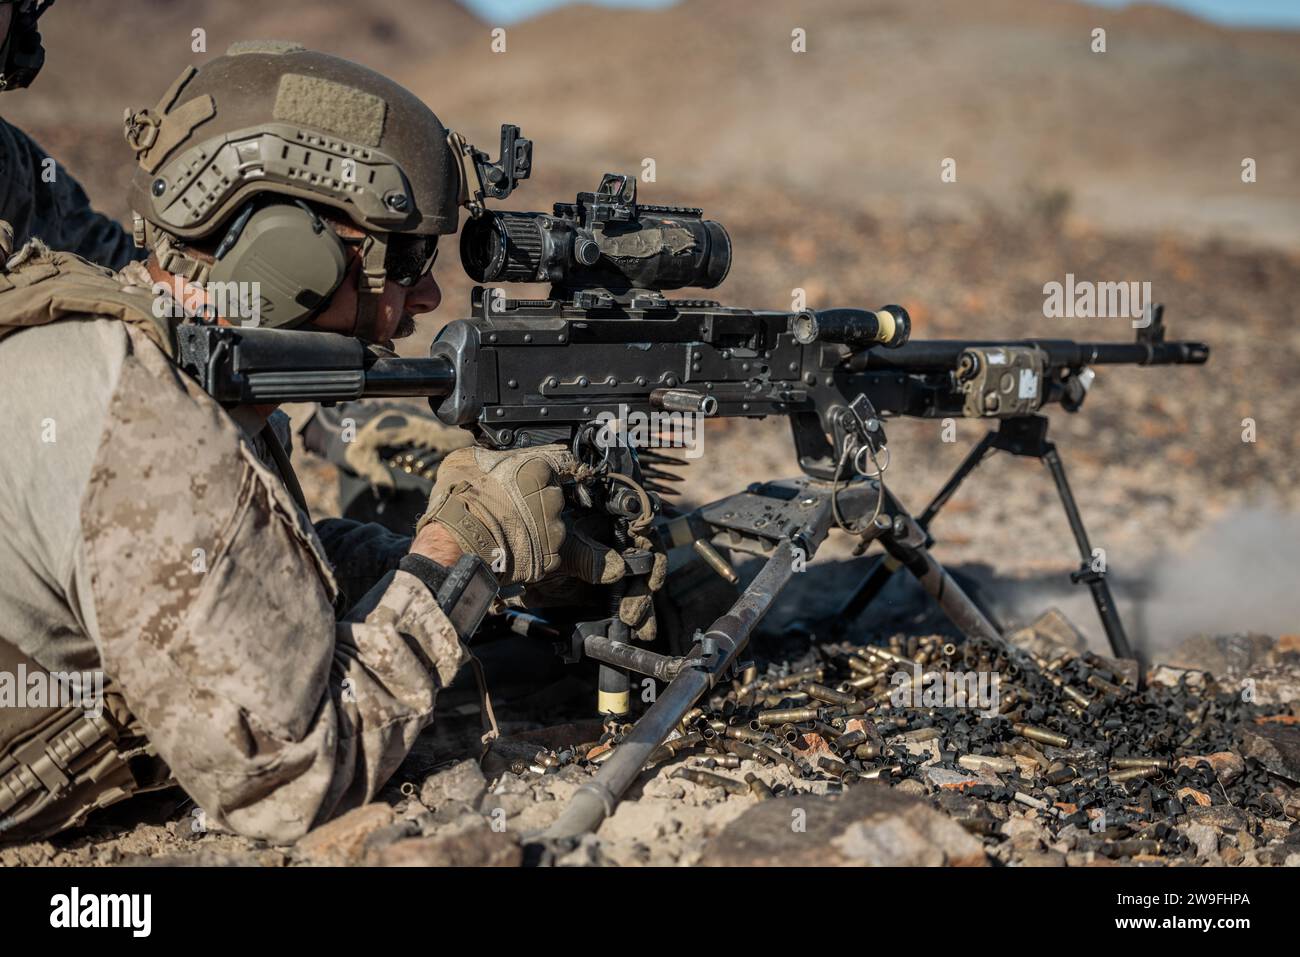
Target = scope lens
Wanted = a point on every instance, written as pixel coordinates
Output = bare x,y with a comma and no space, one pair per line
503,247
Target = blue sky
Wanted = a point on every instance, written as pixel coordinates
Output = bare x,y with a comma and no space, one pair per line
1232,12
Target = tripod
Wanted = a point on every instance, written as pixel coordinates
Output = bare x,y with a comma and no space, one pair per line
1024,435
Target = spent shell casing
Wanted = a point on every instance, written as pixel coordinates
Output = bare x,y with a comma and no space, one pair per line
720,761
850,739
685,741
881,772
789,681
757,786
1130,774
1161,763
768,751
984,762
1041,735
743,732
890,656
1060,773
711,780
1106,687
742,750
787,715
828,695
832,767
860,683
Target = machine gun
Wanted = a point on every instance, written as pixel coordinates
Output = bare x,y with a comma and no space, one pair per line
606,347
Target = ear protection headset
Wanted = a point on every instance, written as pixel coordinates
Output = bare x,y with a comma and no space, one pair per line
296,260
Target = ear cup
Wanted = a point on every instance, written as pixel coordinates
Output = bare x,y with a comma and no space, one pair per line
296,267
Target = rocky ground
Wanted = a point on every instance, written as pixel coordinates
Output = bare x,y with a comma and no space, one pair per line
1231,796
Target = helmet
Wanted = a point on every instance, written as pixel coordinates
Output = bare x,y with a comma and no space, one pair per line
234,152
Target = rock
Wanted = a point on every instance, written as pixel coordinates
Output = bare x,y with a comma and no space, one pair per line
462,782
1027,767
1042,859
1222,655
512,784
587,854
869,825
1278,831
813,745
943,778
507,804
476,846
1276,746
1199,798
1049,636
1204,838
1232,856
1291,807
1223,817
663,786
343,841
1275,855
1170,677
641,820
1024,833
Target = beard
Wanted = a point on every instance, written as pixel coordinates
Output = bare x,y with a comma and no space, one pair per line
405,326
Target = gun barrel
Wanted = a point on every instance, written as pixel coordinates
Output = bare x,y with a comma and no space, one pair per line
409,377
941,355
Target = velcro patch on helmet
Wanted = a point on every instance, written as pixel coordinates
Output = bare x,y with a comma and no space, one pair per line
325,105
273,47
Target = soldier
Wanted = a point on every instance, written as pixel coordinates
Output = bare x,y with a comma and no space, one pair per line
37,196
146,531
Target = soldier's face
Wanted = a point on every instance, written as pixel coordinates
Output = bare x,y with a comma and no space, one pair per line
398,305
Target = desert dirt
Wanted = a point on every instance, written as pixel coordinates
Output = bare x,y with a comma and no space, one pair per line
825,169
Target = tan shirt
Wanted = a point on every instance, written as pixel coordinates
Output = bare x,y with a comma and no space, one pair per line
139,530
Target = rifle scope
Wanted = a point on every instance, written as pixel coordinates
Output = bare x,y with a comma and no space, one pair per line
604,240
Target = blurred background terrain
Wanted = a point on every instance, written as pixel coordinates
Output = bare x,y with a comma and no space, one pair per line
825,166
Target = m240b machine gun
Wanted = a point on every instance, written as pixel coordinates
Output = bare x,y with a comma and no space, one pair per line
607,346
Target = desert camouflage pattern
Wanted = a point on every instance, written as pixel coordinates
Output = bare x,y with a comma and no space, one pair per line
58,212
212,604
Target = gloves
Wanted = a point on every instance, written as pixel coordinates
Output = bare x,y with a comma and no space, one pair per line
637,608
505,507
585,559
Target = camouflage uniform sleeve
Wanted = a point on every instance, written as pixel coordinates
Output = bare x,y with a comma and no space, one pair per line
360,553
212,609
40,198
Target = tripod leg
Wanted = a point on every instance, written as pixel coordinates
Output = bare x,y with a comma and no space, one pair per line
1096,580
884,567
905,543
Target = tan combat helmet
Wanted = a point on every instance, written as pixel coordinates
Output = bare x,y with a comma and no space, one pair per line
234,151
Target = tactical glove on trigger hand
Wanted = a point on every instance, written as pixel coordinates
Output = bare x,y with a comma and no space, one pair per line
505,507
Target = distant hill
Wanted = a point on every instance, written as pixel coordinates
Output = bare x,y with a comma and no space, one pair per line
1150,134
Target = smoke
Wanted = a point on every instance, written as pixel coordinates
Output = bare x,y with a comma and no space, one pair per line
1241,574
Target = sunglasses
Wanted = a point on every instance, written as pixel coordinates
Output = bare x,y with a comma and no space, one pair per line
409,258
